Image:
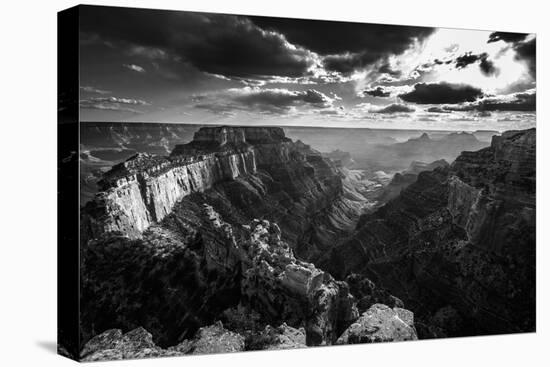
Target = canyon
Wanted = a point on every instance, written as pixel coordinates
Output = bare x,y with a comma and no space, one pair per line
458,243
244,239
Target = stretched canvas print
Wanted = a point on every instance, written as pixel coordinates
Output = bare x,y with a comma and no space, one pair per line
231,183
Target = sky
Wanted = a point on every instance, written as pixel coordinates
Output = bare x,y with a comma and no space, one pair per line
186,67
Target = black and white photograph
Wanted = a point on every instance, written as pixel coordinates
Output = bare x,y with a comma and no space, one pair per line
256,183
275,183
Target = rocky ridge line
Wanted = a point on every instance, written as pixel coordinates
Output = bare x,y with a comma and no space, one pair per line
311,307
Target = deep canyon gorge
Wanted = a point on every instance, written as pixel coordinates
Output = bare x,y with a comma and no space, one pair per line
244,239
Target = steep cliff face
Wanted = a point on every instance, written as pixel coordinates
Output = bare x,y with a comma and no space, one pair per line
145,188
498,187
249,172
459,238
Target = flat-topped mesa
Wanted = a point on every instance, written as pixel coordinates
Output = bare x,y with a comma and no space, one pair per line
210,139
240,134
265,135
221,135
223,138
144,189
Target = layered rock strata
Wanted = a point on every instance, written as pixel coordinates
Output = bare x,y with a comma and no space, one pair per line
251,172
461,238
145,188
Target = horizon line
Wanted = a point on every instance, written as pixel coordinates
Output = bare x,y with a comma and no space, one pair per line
293,126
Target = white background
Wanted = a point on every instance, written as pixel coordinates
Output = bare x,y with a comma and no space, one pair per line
28,182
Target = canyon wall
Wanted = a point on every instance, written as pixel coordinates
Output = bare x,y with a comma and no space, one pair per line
458,243
259,173
144,189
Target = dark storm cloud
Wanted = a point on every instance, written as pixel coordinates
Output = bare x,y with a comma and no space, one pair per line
442,93
347,46
377,92
486,66
282,98
215,43
525,50
520,102
347,63
394,108
441,62
467,59
506,37
278,101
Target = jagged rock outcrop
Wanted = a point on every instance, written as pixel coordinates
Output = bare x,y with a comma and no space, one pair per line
461,236
252,261
247,267
138,343
214,339
284,289
114,345
283,337
258,335
380,323
193,270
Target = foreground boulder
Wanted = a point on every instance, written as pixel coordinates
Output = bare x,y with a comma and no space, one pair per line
380,324
215,339
283,337
114,345
138,343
